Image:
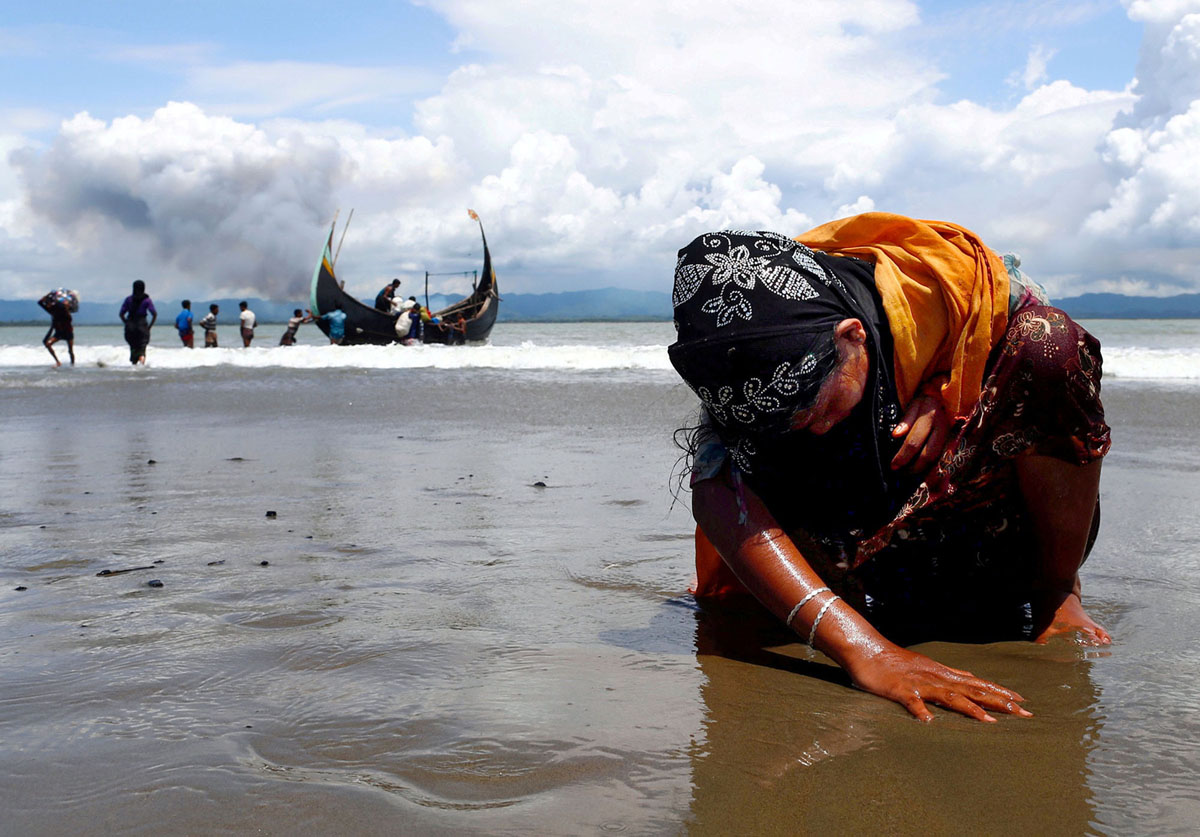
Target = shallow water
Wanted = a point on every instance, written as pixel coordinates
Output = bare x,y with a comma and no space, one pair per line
437,645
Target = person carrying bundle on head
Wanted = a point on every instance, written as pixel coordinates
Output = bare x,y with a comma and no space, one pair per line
60,304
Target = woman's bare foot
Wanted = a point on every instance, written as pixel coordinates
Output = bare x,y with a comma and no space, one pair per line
1070,618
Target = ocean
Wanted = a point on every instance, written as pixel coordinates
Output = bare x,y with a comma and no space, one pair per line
442,590
1133,350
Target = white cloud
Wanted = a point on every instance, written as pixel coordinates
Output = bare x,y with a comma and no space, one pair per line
1153,155
164,55
1159,198
267,88
210,198
1160,11
1133,286
1022,177
595,139
1036,64
861,205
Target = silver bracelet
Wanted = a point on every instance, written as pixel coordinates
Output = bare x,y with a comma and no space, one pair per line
812,632
803,602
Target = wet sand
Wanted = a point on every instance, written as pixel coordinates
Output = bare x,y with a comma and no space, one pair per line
435,645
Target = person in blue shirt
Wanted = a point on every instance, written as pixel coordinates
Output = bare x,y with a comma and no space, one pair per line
183,322
337,325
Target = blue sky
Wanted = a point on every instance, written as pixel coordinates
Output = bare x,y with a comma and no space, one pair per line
1094,45
209,143
114,59
98,57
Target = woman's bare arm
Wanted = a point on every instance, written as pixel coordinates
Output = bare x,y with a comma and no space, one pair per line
768,563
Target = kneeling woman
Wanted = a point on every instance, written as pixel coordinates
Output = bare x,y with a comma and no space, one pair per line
899,437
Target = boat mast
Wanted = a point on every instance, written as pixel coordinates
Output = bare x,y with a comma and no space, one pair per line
349,218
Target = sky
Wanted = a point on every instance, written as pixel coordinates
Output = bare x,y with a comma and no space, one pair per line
205,147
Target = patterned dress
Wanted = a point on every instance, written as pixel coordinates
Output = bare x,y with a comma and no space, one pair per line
955,558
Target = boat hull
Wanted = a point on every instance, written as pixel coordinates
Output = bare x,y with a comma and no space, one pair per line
469,320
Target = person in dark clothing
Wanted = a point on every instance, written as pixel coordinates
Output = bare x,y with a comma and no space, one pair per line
383,299
417,317
134,310
61,327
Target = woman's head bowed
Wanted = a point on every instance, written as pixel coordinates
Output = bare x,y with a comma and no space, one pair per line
755,315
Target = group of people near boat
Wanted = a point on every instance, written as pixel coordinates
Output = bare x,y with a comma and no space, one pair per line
138,315
184,324
411,317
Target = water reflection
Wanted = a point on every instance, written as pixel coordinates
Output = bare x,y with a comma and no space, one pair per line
136,465
789,747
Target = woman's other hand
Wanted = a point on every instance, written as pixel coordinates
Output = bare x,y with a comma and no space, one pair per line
925,428
914,680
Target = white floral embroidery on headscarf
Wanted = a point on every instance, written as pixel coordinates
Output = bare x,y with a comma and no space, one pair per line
733,268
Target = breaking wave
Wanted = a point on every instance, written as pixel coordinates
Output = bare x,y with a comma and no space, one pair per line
527,355
589,351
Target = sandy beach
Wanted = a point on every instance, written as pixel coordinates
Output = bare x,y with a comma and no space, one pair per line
423,640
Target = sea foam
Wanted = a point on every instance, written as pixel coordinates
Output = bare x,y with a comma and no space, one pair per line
1120,362
527,355
1152,364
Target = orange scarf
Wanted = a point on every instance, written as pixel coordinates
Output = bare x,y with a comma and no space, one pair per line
945,295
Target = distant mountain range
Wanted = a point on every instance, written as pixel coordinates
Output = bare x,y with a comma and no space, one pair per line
612,304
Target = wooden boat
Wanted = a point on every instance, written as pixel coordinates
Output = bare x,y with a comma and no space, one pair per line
469,320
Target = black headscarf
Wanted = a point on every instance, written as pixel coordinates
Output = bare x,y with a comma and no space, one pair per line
137,297
755,314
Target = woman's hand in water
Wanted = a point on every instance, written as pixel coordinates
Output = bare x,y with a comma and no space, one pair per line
925,428
914,680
